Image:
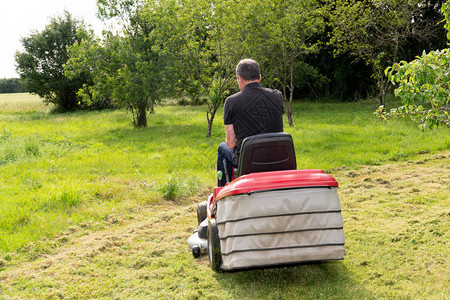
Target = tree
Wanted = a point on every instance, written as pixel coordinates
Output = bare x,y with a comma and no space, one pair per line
206,39
199,39
126,70
101,60
423,86
283,35
40,66
380,32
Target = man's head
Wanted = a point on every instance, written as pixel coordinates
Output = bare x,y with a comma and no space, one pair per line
247,71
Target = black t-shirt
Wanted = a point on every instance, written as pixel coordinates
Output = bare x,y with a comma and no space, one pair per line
254,110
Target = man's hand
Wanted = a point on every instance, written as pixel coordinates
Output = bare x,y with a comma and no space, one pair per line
230,136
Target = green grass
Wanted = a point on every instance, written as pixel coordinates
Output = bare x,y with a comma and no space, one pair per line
91,206
330,136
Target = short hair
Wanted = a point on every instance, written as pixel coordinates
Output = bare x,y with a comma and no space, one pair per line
248,70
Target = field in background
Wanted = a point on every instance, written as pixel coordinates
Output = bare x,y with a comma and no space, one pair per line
22,102
91,205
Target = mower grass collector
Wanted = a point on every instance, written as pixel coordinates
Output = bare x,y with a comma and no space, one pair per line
271,214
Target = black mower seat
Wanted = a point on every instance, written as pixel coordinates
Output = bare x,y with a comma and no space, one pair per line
267,152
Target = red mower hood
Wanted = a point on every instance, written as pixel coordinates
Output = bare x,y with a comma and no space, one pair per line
264,181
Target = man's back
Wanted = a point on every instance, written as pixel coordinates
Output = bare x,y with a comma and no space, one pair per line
254,110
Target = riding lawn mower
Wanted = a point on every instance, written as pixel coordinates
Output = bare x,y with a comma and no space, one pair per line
270,214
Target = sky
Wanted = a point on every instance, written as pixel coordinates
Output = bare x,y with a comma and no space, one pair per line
18,18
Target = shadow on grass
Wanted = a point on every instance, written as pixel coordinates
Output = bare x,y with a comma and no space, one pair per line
328,280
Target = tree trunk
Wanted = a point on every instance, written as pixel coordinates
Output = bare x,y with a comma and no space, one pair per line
289,113
208,132
287,107
141,120
313,91
383,90
210,117
382,98
291,94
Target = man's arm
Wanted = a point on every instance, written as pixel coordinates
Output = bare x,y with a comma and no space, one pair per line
230,136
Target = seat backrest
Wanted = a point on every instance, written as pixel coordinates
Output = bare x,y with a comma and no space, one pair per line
267,152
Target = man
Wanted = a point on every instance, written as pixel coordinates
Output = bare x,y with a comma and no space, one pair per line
253,110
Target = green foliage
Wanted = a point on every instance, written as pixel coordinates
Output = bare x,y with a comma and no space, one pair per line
423,87
10,85
101,62
282,38
126,71
200,41
382,32
40,66
446,13
191,47
204,43
377,33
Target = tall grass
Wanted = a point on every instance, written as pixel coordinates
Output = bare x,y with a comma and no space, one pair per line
23,102
57,170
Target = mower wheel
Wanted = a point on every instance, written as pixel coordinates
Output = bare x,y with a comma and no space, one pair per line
196,251
201,212
215,256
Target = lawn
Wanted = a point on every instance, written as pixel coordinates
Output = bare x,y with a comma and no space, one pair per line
92,206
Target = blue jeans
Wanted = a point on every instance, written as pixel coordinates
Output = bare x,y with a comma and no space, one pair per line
224,153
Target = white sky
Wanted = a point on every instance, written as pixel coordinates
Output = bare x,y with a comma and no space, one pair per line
18,18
